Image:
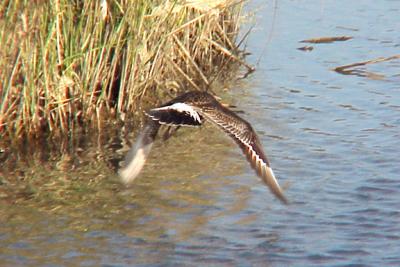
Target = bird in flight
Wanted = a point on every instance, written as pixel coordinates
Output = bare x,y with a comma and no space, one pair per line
193,109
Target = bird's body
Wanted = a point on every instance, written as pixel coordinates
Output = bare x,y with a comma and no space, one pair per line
193,109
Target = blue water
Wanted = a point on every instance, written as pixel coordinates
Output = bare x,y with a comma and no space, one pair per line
333,140
334,137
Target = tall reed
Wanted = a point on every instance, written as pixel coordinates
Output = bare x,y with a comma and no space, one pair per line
66,64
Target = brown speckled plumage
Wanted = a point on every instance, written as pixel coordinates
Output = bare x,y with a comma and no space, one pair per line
190,109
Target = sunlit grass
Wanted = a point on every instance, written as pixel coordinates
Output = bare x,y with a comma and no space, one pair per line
68,64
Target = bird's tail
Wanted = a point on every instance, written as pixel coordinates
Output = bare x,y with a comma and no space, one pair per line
137,155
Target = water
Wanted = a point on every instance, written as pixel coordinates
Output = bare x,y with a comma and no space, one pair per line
332,138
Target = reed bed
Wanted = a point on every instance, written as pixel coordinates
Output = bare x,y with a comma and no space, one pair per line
70,64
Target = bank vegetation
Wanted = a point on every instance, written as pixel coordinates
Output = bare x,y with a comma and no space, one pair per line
66,65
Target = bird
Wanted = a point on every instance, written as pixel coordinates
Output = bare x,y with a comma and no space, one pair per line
194,108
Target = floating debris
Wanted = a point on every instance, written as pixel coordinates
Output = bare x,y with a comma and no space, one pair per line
306,48
326,40
350,69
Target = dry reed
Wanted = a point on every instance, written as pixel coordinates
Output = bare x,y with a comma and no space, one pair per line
67,64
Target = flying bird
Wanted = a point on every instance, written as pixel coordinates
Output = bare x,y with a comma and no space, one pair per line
193,109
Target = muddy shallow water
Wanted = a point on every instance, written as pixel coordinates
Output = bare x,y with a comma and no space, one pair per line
332,139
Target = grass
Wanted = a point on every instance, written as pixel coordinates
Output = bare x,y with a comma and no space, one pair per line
66,65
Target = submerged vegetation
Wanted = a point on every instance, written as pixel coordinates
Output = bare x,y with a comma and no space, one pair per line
66,65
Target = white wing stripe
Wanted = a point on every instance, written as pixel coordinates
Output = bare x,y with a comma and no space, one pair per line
182,107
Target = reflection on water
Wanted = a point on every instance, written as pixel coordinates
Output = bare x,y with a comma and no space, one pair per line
68,203
332,138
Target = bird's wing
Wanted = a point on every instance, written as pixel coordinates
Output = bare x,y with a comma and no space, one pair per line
176,114
137,155
243,134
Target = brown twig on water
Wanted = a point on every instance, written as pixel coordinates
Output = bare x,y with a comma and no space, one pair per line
325,40
305,48
346,69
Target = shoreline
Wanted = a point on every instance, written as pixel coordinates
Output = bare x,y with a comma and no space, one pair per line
92,65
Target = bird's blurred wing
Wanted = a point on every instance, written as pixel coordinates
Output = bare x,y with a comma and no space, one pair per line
137,155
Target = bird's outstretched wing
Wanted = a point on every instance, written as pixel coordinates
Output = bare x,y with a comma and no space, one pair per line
244,135
191,109
137,155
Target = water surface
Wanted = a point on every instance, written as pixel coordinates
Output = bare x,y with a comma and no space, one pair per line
332,139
